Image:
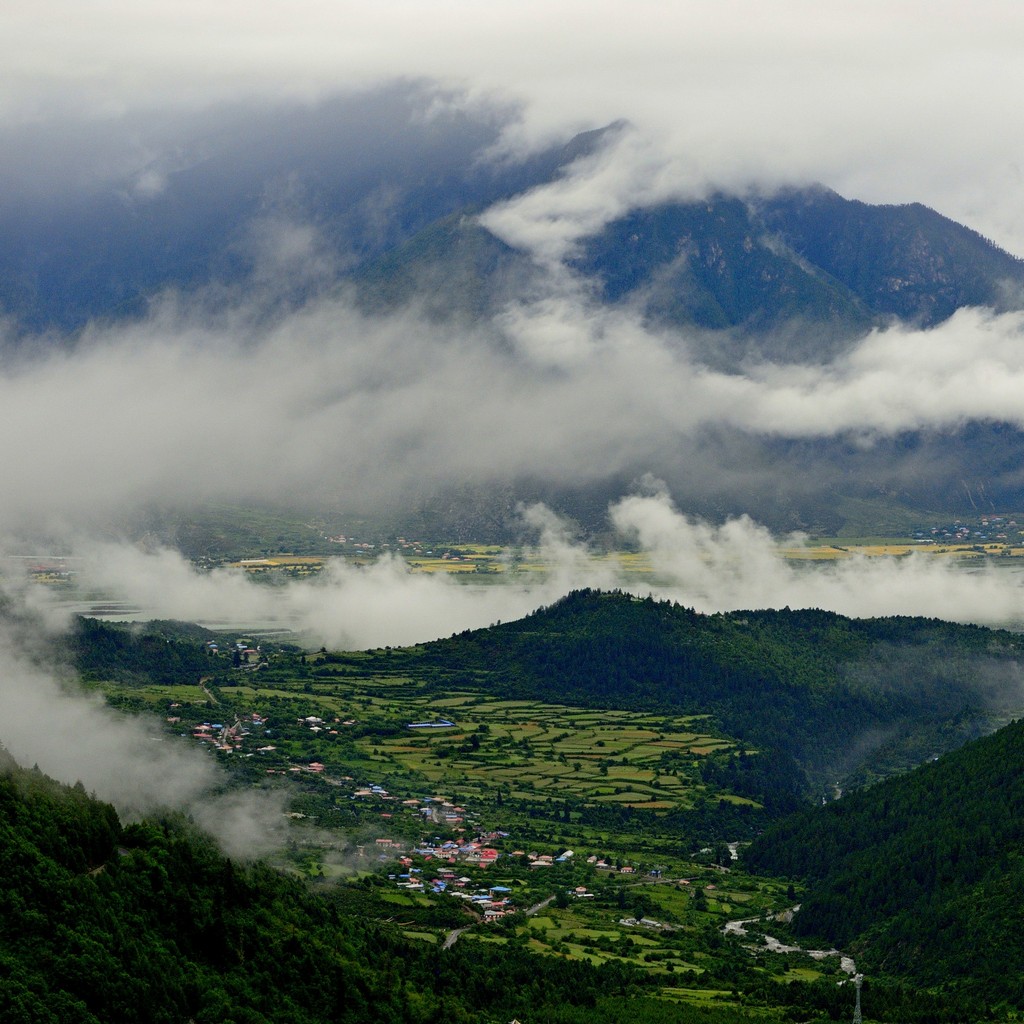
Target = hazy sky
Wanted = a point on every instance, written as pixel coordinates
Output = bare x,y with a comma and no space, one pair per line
884,100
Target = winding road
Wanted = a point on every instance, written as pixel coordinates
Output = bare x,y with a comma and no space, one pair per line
452,937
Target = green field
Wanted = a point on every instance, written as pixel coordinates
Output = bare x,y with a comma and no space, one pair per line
527,748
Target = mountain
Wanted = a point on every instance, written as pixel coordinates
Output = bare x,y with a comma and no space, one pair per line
805,255
384,190
344,180
378,199
919,876
794,276
904,261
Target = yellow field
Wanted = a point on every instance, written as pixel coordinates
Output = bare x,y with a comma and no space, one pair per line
834,552
465,558
490,560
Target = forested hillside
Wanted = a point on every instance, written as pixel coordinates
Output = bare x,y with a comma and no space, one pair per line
921,875
831,698
160,652
825,700
149,923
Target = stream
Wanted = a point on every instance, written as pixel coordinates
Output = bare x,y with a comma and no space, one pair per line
773,945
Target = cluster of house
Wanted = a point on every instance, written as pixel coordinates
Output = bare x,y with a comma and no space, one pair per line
315,724
243,652
222,737
230,738
494,902
987,528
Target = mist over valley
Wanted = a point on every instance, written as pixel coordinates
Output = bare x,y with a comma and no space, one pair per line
501,508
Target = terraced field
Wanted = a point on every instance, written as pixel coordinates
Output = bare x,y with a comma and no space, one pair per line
525,750
533,750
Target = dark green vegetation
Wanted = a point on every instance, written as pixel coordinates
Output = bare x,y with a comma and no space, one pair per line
162,652
149,923
825,698
620,778
920,875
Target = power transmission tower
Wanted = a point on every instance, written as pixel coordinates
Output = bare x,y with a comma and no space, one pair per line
857,981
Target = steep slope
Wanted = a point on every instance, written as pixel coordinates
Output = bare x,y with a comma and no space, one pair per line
454,269
803,259
921,875
904,261
713,265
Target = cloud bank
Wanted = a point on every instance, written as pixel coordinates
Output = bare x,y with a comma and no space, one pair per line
712,568
188,407
70,736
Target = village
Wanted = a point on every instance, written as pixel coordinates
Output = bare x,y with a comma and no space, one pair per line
452,851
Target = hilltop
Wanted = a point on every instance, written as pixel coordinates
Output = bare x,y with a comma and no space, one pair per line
838,699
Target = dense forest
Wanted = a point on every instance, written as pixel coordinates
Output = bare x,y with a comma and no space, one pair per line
919,875
160,652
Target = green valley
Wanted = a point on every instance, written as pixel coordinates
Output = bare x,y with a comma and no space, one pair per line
574,788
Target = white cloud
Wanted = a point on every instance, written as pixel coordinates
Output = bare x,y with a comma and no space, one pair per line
969,368
734,565
126,761
346,606
191,406
629,170
739,565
